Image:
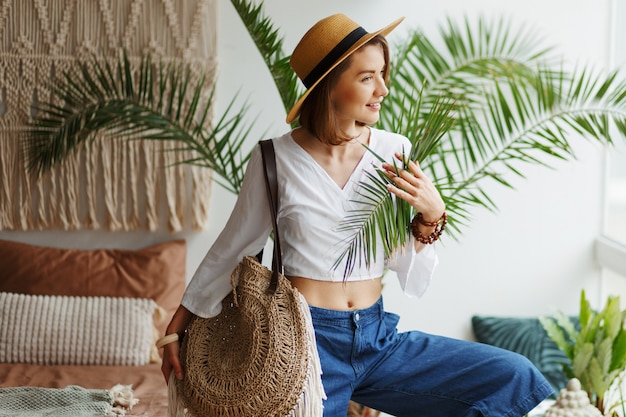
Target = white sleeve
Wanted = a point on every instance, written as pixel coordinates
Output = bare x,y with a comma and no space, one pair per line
246,233
414,270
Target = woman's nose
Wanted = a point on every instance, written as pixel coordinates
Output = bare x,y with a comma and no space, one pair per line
381,89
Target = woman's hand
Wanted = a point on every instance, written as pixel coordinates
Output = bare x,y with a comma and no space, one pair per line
171,361
171,351
414,187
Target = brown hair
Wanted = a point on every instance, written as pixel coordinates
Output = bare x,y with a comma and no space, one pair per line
317,115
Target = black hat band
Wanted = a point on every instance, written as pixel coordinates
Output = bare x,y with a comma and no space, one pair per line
332,57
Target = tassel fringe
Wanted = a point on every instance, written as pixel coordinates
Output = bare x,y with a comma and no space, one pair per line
310,401
175,408
123,396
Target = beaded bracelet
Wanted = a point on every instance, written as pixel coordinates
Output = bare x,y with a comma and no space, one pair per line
167,339
439,225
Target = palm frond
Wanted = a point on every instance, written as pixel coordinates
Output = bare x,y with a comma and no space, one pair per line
520,126
157,102
380,217
507,107
512,108
221,148
473,56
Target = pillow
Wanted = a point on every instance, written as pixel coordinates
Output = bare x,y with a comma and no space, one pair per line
527,337
156,272
60,330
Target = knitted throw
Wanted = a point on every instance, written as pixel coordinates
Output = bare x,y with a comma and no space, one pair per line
71,401
114,185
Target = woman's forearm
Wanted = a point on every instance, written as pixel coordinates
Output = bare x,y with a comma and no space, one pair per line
179,321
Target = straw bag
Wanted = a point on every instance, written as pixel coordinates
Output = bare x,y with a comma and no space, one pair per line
258,357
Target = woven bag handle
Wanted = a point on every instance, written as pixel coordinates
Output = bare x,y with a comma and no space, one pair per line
271,184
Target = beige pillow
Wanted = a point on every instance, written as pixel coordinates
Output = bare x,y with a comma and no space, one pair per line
62,330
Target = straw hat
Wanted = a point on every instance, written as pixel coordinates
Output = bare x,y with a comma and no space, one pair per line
328,43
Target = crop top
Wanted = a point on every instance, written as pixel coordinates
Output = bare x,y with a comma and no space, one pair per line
311,207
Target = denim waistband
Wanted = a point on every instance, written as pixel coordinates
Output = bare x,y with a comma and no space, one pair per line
348,317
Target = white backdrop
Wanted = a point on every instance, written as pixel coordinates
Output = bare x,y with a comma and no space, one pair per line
534,255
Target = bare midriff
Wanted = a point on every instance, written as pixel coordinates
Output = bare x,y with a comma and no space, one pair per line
354,295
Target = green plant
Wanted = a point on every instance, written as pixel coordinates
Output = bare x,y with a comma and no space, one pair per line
477,108
106,97
595,346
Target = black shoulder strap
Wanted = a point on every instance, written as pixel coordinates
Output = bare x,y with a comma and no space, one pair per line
271,183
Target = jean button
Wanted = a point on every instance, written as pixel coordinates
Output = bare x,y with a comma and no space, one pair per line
356,316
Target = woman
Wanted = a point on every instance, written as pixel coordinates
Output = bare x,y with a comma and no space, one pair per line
320,165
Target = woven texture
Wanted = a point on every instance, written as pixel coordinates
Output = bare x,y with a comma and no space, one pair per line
258,357
71,401
59,330
112,185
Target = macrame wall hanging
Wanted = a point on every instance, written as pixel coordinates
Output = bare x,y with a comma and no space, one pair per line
111,185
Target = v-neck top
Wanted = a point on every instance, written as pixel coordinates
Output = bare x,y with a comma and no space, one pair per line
312,207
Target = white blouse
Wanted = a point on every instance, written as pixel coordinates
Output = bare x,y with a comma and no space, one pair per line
311,207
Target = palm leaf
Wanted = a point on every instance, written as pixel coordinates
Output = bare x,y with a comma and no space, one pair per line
491,95
555,330
380,217
512,108
522,128
102,97
619,349
473,57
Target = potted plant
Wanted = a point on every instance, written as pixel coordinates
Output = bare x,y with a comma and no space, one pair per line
595,344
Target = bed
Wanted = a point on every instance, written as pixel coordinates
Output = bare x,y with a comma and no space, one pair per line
88,318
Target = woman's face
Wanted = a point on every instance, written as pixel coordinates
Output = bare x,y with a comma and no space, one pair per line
360,90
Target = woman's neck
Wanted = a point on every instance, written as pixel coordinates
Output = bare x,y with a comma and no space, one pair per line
315,145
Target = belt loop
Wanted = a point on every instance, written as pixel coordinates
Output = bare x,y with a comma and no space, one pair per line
381,309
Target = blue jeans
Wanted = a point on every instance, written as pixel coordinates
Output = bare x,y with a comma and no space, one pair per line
414,374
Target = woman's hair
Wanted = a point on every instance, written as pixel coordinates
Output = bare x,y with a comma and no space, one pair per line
317,114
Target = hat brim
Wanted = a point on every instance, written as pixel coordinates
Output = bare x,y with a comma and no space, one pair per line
295,110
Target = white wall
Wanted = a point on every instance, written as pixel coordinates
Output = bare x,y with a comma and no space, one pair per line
531,256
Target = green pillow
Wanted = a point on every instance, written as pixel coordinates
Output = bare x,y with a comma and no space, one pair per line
527,337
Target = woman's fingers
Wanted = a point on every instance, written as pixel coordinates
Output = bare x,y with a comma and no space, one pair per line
413,167
416,170
413,186
171,362
404,179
